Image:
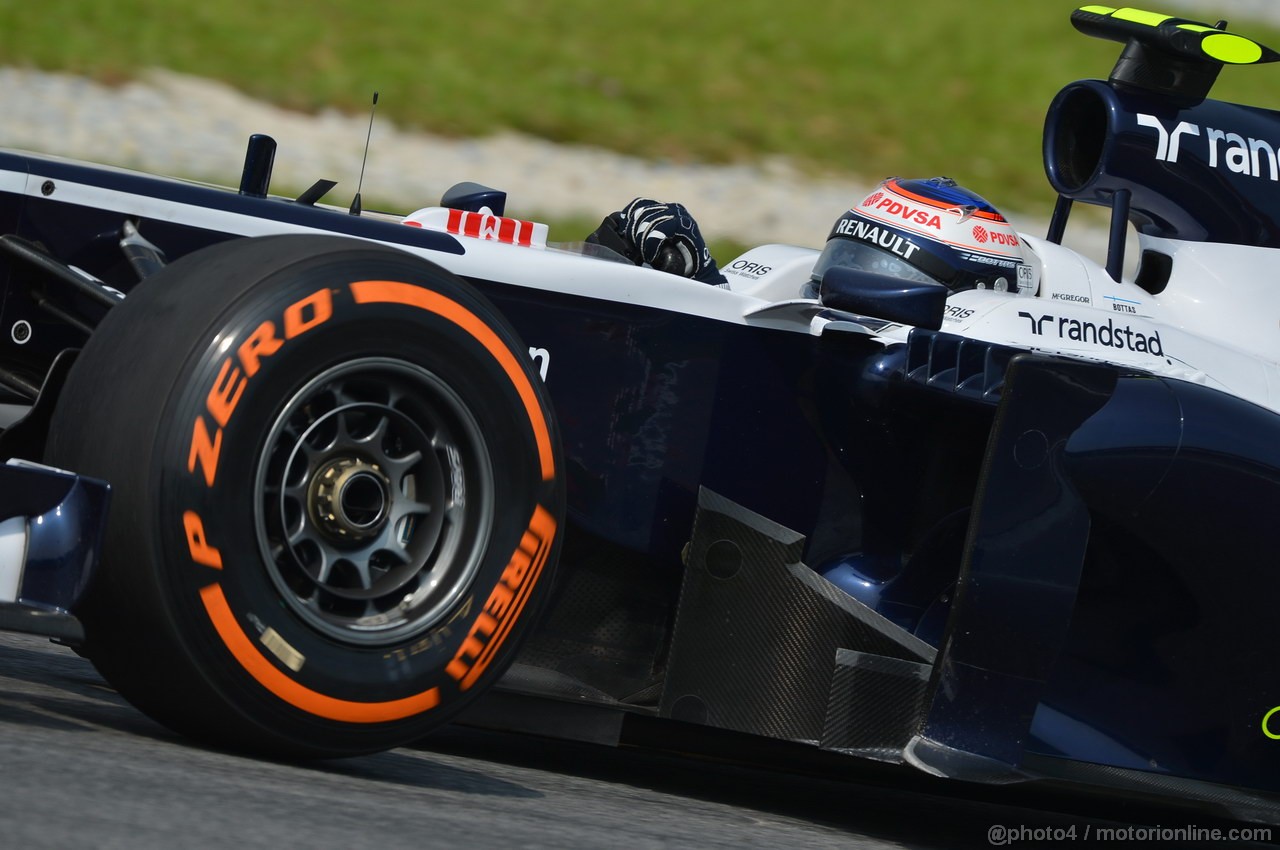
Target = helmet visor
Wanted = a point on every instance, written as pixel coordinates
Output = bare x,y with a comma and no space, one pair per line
858,255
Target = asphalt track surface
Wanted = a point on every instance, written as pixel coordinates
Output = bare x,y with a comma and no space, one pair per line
79,768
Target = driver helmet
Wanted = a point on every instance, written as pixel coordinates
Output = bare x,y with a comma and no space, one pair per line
932,231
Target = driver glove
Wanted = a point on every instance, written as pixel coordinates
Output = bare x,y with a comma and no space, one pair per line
663,235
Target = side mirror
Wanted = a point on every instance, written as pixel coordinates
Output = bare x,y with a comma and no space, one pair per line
893,299
472,197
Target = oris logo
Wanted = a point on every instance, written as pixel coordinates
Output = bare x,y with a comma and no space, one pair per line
749,268
980,233
873,200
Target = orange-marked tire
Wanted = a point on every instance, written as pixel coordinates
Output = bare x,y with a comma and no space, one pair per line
337,494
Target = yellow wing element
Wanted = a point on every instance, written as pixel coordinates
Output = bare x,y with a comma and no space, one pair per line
1185,39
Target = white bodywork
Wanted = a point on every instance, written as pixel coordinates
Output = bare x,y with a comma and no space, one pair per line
1217,322
13,556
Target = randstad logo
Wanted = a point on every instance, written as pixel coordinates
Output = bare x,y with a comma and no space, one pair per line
1254,157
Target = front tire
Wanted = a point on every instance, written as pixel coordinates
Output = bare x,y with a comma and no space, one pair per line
337,494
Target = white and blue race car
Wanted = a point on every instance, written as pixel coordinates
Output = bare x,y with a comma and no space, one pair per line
365,468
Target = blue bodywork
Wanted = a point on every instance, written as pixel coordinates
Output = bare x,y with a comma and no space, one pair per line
64,517
1151,590
1080,558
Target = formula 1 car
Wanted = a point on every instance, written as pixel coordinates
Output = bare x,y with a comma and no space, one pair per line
364,468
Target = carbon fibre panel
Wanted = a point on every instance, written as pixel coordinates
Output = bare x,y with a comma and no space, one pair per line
757,635
875,705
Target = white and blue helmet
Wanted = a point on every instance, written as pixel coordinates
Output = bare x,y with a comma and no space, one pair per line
931,230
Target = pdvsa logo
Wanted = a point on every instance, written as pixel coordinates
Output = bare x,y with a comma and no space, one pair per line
984,236
873,199
911,215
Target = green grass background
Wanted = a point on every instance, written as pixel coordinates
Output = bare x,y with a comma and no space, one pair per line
868,89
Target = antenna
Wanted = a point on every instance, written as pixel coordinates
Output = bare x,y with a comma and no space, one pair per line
355,203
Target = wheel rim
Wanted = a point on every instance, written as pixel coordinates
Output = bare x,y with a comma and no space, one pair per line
374,501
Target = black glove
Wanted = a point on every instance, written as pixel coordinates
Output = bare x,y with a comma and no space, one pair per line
663,235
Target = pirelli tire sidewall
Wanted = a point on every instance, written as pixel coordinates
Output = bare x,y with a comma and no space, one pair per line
301,682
